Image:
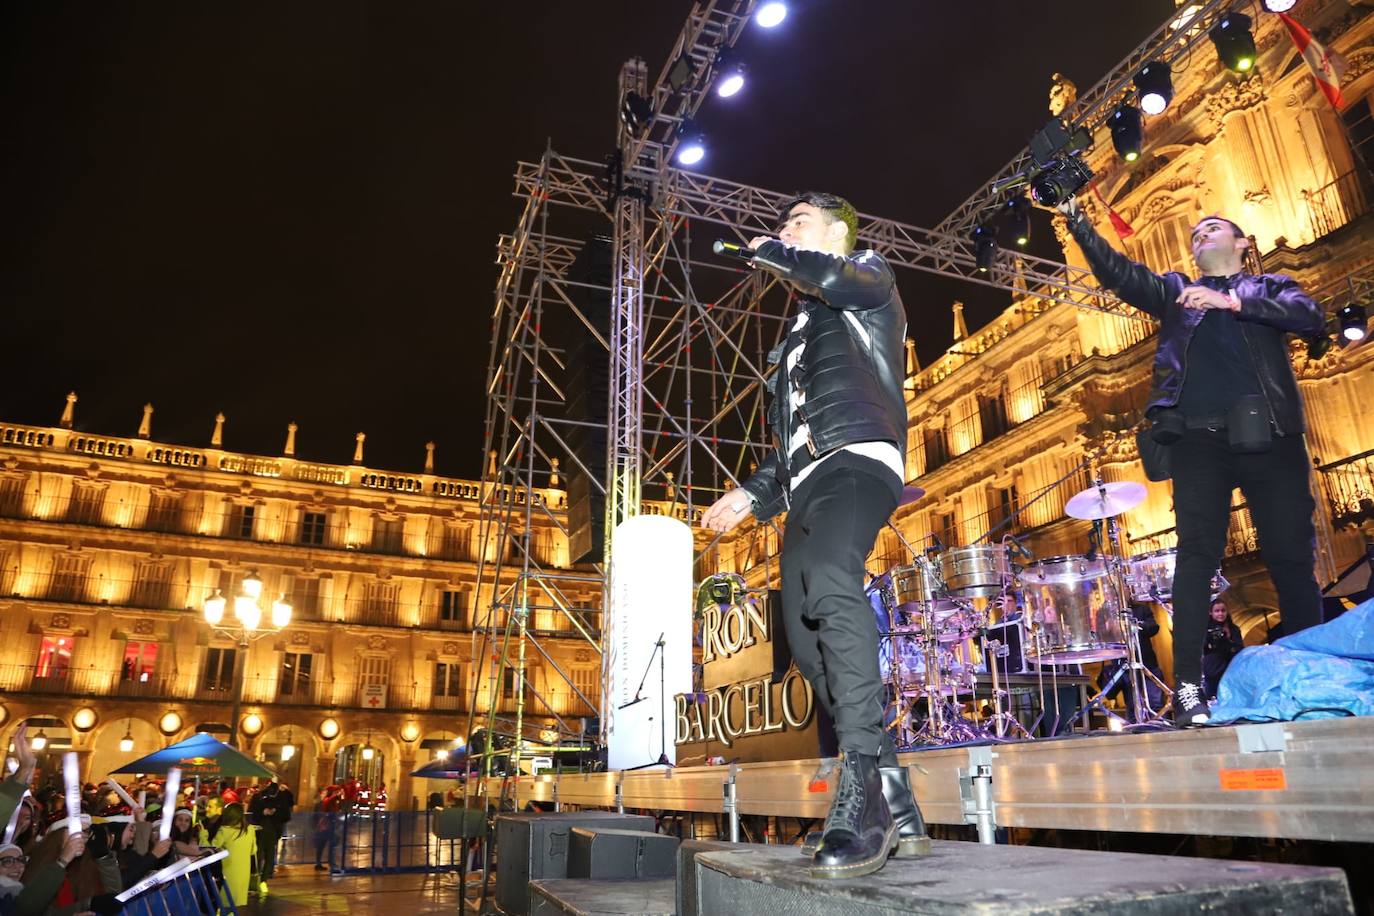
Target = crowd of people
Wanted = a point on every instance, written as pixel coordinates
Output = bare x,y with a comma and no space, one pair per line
46,870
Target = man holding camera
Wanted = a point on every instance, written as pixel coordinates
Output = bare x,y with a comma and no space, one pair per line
1225,404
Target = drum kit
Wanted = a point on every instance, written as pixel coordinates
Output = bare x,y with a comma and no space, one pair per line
933,615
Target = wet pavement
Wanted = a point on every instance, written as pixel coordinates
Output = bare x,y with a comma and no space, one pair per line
299,890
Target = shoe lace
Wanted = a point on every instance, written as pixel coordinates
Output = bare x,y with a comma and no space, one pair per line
1189,695
848,805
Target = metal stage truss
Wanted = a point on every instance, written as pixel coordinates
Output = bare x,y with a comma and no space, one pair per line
684,336
1171,43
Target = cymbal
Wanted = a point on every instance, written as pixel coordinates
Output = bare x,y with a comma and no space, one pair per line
910,495
1110,499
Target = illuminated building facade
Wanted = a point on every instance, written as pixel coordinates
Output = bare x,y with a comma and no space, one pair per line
110,548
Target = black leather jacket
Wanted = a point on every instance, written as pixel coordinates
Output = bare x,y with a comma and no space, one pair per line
853,368
1271,307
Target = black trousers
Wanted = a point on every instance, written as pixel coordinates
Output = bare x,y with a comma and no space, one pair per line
834,520
1275,486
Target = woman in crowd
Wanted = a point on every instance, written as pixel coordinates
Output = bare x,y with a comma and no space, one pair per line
1222,643
185,834
239,838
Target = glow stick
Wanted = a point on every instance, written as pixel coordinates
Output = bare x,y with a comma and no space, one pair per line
142,797
119,790
71,774
169,802
14,819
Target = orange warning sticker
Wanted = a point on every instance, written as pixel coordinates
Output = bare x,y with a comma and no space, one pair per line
818,785
1267,779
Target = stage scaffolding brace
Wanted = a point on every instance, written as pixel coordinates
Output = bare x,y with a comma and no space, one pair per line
687,338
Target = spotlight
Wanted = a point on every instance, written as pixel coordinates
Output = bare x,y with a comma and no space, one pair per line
731,83
1018,221
1125,124
1235,44
1155,86
771,14
691,147
1353,319
984,247
681,72
1279,6
635,112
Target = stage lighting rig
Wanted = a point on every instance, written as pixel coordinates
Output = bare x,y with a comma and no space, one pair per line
1155,86
984,247
1234,43
729,74
1354,320
1018,220
635,112
1128,134
771,14
691,147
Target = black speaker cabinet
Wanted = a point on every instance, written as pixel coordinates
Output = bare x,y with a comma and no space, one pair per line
595,852
532,846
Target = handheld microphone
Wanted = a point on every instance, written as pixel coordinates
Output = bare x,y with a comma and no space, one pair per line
731,250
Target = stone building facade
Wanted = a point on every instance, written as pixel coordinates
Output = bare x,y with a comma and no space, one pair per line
110,548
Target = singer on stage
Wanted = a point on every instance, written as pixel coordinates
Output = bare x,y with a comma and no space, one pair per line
839,425
1226,404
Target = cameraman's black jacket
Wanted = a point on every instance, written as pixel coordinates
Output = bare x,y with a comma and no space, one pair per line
1271,307
853,367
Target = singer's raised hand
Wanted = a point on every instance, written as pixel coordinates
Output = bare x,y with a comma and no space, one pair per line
727,512
758,240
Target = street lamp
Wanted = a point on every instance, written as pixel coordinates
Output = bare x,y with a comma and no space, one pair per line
126,744
245,627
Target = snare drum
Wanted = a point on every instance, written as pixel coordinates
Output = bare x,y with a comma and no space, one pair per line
980,571
1073,611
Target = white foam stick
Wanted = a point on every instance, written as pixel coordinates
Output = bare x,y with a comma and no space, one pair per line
71,775
169,802
14,819
119,790
142,799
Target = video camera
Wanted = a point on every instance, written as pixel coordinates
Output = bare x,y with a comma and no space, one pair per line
1058,171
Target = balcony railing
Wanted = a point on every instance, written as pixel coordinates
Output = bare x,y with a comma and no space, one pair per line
1333,205
1349,487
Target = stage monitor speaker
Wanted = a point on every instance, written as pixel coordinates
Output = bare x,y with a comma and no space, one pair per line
595,852
532,846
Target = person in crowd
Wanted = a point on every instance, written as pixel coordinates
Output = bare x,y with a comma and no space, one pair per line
185,834
325,815
269,811
239,838
1221,644
59,880
209,822
12,862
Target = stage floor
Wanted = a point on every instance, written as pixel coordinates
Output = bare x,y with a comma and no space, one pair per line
1299,780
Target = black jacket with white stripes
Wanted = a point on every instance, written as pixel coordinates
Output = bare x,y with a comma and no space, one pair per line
853,367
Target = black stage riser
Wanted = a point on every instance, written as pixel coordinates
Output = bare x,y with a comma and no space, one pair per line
534,846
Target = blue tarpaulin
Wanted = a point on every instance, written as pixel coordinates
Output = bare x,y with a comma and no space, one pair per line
1327,670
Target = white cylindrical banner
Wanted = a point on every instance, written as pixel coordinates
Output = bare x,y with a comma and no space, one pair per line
651,602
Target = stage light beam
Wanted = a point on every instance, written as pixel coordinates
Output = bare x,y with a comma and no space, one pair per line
691,147
1155,87
1018,221
771,14
1353,320
1234,43
1128,133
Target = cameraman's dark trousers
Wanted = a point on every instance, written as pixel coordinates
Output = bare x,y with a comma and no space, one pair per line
834,519
1275,486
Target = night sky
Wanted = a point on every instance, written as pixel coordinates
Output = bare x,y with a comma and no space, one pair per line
288,210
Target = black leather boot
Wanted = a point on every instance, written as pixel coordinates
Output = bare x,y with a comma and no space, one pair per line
912,839
859,832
